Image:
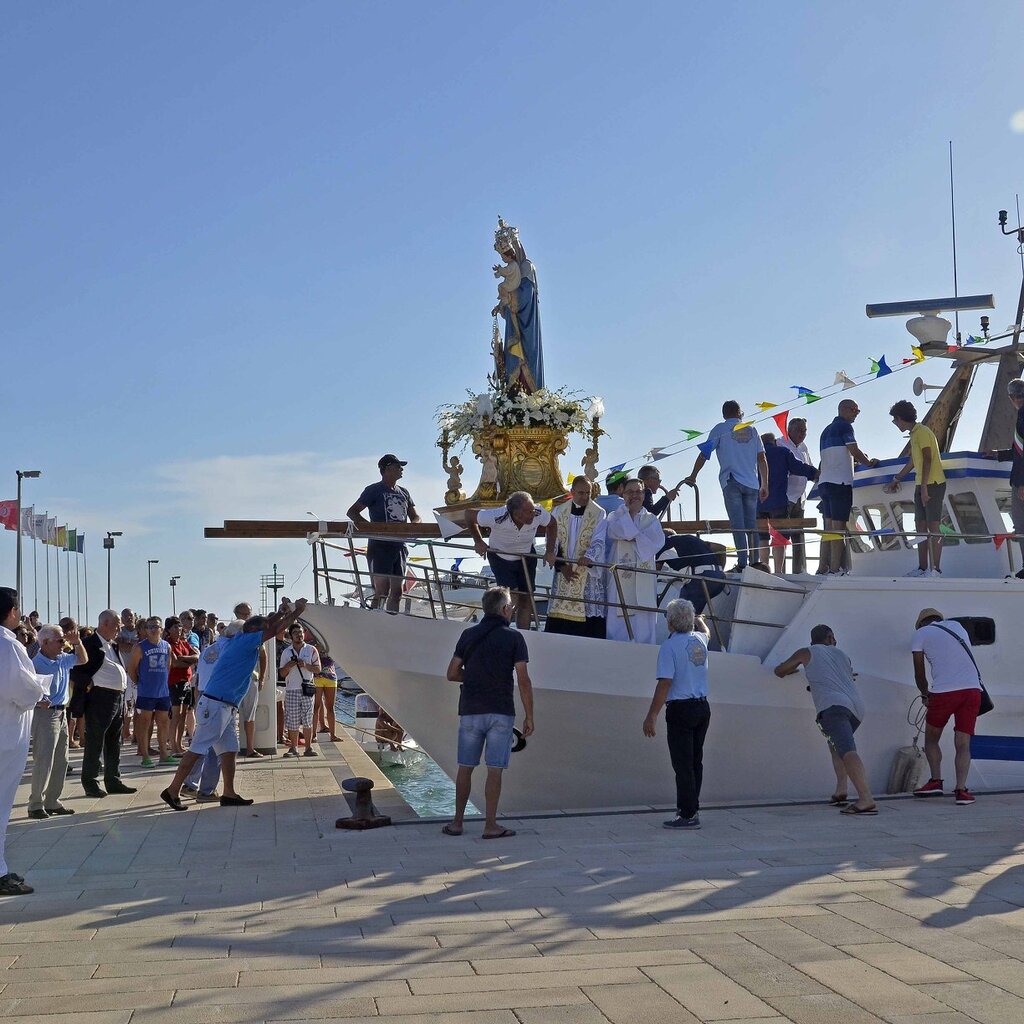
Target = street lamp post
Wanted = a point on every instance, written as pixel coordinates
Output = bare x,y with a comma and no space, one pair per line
149,567
108,543
174,583
23,474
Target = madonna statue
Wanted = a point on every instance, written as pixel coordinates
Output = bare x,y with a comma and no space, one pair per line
520,363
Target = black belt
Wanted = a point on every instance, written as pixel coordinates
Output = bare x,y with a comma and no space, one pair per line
687,700
219,700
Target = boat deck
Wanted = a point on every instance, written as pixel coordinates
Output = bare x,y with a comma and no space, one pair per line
268,913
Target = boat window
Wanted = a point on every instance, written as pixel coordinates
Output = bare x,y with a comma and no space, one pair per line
947,525
906,521
879,519
969,517
980,629
1003,499
860,526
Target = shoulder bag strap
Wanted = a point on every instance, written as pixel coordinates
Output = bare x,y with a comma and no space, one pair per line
963,645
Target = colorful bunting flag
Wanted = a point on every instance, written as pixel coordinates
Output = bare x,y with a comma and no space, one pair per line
812,398
447,527
743,426
775,538
843,378
946,529
765,406
706,448
690,434
617,469
782,422
660,453
569,479
918,354
883,367
457,563
800,390
874,367
831,536
1000,538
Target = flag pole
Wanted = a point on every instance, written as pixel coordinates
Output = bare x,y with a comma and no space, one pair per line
78,586
56,538
46,557
35,563
67,551
85,573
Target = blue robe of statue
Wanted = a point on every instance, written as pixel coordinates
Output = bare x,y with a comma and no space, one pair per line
528,319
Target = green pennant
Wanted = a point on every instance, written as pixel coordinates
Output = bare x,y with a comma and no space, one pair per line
812,398
874,366
691,434
944,528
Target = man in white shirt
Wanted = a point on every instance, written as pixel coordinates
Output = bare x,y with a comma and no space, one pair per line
513,529
20,690
299,663
955,692
105,680
793,439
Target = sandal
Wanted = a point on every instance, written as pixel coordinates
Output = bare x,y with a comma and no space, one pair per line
838,801
854,809
505,833
449,830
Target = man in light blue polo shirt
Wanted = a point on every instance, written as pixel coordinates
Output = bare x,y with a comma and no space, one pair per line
217,710
743,474
50,721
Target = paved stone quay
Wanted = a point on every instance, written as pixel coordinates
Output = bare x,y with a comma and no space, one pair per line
142,915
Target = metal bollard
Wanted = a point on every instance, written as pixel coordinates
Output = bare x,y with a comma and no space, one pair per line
364,814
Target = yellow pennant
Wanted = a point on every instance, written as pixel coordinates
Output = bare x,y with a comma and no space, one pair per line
569,479
743,426
831,536
918,354
765,406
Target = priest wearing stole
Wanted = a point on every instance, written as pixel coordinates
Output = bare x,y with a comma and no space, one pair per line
574,540
634,537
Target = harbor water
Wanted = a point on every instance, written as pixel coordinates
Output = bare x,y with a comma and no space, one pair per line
426,789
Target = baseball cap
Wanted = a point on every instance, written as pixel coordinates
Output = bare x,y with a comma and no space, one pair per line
925,614
390,460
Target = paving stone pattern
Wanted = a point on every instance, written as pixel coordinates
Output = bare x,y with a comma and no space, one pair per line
144,916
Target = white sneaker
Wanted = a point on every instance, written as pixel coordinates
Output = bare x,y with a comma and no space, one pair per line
937,573
918,572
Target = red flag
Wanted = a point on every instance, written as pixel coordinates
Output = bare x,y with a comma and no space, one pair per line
775,538
9,514
410,581
782,422
999,538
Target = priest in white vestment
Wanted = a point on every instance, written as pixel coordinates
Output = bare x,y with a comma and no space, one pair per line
634,538
574,540
21,688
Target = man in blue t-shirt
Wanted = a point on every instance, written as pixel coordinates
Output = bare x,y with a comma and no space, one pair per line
839,452
743,474
217,710
387,503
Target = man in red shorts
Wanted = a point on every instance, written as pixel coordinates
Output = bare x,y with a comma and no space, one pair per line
955,692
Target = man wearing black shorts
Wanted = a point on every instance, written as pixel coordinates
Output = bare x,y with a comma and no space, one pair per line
387,503
511,553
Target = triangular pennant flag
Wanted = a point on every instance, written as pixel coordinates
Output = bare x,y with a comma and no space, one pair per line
812,398
660,453
800,390
883,368
782,422
775,538
945,529
907,362
547,504
617,469
1000,538
447,527
918,354
831,536
706,448
743,426
874,367
569,479
845,379
765,406
457,563
691,434
880,533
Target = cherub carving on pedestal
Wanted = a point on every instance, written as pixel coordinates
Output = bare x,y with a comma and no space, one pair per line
454,470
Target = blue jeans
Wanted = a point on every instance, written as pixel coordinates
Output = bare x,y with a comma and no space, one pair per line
741,508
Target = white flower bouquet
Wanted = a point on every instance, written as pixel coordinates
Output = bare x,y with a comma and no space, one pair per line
560,409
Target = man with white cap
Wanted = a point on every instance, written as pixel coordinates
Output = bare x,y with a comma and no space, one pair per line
955,691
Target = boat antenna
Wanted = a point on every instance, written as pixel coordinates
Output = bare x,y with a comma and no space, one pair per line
952,218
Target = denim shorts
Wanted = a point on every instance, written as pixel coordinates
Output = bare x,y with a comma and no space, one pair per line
494,731
838,724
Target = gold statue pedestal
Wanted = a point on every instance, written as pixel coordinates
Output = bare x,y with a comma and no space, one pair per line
513,459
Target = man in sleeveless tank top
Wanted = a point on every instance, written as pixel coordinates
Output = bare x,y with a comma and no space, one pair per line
840,711
148,667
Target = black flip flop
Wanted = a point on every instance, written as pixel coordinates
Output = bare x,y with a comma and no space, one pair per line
836,801
854,809
505,833
449,831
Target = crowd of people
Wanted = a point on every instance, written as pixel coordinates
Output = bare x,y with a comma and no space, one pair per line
180,692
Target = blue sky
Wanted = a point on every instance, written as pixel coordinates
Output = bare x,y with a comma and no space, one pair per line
247,246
